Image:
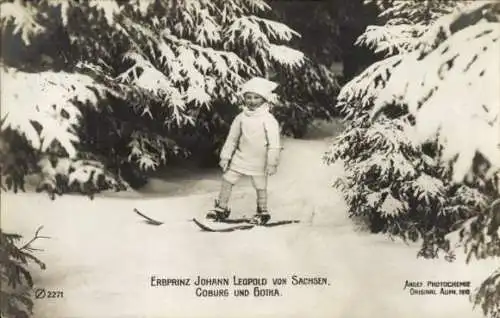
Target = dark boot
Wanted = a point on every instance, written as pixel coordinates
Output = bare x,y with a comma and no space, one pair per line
261,217
218,213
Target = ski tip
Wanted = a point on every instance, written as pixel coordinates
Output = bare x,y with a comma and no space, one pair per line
278,223
148,220
202,226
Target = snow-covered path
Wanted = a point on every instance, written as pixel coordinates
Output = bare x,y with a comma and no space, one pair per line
102,256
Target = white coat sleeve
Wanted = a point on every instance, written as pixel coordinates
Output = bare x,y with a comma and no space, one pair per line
232,140
274,143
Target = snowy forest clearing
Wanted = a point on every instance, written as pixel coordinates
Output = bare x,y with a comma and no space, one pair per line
102,255
122,93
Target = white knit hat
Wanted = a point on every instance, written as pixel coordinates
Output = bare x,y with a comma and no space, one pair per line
260,86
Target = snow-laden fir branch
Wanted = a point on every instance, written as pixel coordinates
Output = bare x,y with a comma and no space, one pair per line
50,104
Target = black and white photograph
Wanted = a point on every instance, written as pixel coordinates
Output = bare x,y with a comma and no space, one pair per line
250,158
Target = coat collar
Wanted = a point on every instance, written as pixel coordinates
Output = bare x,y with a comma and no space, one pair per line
263,109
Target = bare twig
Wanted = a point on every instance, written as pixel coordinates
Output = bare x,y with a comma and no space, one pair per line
28,247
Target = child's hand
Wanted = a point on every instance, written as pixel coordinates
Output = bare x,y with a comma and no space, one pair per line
224,164
270,170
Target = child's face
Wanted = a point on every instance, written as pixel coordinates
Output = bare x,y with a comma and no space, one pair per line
253,101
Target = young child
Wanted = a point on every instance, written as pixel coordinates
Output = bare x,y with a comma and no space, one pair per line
252,148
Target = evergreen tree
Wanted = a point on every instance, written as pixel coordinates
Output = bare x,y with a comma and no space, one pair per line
16,280
329,30
114,89
421,151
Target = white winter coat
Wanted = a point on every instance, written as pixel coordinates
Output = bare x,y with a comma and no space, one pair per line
253,142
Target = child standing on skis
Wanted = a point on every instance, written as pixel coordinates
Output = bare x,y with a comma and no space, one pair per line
252,149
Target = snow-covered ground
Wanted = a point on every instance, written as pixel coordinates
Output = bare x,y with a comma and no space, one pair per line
102,255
